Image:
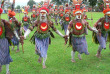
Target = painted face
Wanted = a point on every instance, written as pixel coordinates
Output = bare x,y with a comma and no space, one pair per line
106,1
107,18
43,15
34,12
84,12
77,1
78,16
25,15
67,14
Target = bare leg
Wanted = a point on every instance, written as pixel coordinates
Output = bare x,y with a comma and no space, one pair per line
7,69
72,55
0,68
79,56
36,52
44,60
17,48
99,52
40,59
109,45
13,47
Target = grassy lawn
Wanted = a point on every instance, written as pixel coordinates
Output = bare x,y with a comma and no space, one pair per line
59,57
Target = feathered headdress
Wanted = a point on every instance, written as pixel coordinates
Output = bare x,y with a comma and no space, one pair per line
84,9
77,6
26,9
107,9
11,12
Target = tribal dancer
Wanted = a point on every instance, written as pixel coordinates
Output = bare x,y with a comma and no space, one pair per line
33,16
104,28
15,25
56,14
41,37
76,31
65,20
6,34
26,19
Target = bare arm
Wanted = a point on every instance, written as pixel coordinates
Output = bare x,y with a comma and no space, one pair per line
30,29
57,31
98,22
91,29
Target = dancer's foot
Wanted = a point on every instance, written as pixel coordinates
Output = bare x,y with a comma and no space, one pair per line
0,68
40,60
13,48
8,72
98,54
17,50
43,66
72,60
79,56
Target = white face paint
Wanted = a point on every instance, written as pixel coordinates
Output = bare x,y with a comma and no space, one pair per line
78,16
43,16
67,15
25,15
84,12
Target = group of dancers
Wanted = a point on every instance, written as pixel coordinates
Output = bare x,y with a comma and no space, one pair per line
72,20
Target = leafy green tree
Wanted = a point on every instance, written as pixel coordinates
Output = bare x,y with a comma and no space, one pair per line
100,5
18,7
60,2
31,3
93,3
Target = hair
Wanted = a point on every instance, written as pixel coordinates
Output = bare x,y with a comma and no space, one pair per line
66,5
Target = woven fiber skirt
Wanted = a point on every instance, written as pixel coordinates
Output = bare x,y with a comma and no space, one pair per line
26,27
102,40
4,52
42,46
15,41
65,27
80,45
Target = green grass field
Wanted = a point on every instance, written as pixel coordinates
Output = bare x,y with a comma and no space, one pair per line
59,56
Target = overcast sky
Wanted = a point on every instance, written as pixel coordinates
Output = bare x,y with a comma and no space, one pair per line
23,2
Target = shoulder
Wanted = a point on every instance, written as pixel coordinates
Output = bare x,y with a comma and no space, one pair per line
71,23
5,22
101,19
28,17
50,23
